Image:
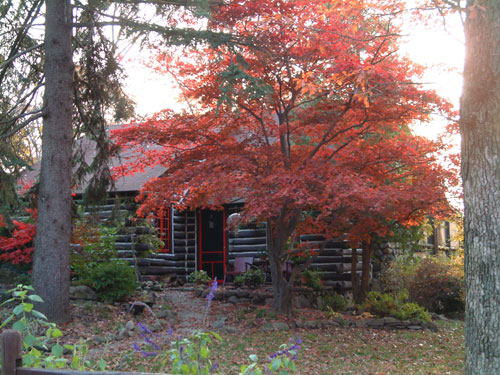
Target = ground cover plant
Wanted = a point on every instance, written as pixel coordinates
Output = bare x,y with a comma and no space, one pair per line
334,350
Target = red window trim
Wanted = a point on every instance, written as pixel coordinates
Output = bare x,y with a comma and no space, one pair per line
163,225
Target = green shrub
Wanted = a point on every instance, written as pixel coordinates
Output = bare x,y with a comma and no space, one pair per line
438,286
399,274
336,302
112,280
253,278
311,279
199,277
383,304
411,310
97,244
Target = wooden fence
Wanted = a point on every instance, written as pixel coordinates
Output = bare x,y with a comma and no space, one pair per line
12,360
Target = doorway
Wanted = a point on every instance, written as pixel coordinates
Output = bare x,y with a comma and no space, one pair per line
212,243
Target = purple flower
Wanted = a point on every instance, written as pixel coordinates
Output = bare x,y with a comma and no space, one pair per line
214,367
143,352
213,288
143,328
290,352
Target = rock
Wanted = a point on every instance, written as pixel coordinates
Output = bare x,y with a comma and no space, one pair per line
388,320
229,293
219,322
258,299
98,340
378,253
198,292
360,323
415,321
333,323
267,327
431,326
242,293
341,321
156,326
375,323
301,302
280,326
233,299
123,333
310,324
162,314
299,323
229,329
415,328
218,296
82,292
130,325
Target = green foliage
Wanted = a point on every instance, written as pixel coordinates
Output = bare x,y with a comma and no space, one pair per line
199,277
97,244
311,279
336,302
253,278
192,355
112,280
39,349
383,304
410,310
282,362
399,274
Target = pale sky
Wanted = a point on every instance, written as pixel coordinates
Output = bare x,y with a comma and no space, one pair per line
441,51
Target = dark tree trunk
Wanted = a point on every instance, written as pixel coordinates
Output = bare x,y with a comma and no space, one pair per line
480,129
355,287
365,270
360,286
51,274
282,293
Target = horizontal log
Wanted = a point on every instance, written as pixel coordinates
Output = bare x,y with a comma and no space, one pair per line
247,241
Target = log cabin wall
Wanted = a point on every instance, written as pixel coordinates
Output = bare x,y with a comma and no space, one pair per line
334,263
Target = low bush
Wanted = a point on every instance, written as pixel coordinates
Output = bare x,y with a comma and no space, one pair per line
438,286
199,277
437,283
311,279
112,280
336,301
383,304
253,278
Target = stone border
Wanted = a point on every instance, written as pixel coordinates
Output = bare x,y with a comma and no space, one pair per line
256,298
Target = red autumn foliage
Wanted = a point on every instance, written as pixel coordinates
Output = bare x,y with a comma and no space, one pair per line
306,117
17,246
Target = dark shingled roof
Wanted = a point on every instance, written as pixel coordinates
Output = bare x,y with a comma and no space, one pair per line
124,184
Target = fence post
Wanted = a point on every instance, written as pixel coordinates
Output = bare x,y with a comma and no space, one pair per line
12,352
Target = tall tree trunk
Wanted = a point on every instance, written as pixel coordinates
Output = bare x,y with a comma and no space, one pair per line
480,128
282,293
51,274
365,270
355,284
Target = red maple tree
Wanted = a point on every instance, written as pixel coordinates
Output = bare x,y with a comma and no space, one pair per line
306,116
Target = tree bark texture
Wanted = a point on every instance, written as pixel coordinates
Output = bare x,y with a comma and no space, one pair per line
51,275
480,129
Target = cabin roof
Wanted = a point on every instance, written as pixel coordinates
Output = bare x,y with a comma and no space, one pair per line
127,183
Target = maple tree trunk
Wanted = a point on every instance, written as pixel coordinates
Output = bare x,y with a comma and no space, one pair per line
282,303
365,271
479,126
355,287
51,275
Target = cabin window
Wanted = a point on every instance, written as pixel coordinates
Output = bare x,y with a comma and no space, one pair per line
163,226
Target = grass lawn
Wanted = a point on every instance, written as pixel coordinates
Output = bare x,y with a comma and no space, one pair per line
336,351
